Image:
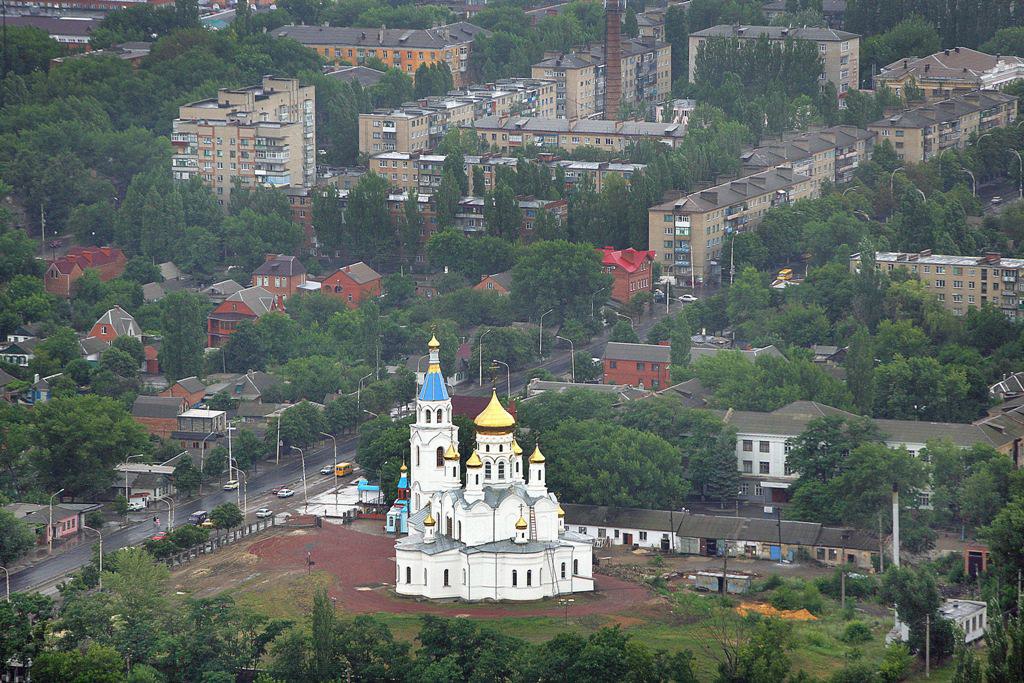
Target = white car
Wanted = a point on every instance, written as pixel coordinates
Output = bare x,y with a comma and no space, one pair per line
688,298
327,470
230,485
997,200
136,505
285,493
263,513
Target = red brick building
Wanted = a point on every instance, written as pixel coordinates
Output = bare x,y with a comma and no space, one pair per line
246,304
631,270
645,366
115,323
352,284
188,388
62,272
159,414
499,282
300,201
280,275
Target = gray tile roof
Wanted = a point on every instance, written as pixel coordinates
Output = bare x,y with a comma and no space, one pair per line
822,35
435,38
593,126
698,352
654,353
563,61
157,406
621,518
5,379
958,63
191,384
360,272
734,191
363,75
121,321
259,300
224,288
945,110
280,265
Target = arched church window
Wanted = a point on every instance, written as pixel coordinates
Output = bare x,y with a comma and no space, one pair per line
440,456
501,470
517,465
417,456
487,448
426,416
575,567
563,570
459,537
446,577
440,414
424,576
540,475
463,577
408,574
515,578
487,470
529,577
476,479
501,448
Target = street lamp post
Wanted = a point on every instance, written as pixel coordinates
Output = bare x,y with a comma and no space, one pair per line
170,510
49,529
230,461
480,348
566,602
7,577
245,493
541,336
572,353
508,377
331,437
1020,174
732,254
202,459
359,392
305,496
126,494
625,317
370,412
974,182
97,532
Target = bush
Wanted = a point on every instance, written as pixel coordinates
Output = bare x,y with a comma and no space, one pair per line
856,632
798,594
160,549
771,583
951,567
858,672
860,586
188,536
895,664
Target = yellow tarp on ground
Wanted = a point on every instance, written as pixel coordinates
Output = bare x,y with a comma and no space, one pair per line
767,610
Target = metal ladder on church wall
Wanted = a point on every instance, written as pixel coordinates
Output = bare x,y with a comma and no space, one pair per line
533,524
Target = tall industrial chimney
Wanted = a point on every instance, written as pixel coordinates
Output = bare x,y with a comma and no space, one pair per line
612,57
896,525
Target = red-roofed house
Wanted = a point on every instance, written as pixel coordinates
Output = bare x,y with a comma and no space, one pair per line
62,272
246,304
352,283
631,270
499,282
280,274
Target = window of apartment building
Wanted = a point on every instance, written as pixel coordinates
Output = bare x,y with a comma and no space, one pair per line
764,447
763,467
940,297
939,270
640,365
958,284
970,298
748,466
612,364
924,499
957,270
787,469
748,446
940,283
220,141
971,283
844,73
957,298
758,491
927,269
745,489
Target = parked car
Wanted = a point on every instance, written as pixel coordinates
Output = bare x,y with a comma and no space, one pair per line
327,469
997,200
136,505
207,524
158,536
231,485
285,493
688,298
198,517
276,489
263,513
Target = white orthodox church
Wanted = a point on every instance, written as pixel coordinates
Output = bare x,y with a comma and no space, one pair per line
499,536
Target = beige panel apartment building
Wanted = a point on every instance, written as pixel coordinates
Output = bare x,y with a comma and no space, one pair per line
839,50
830,154
402,49
423,172
950,72
927,131
960,283
576,84
260,135
610,136
690,235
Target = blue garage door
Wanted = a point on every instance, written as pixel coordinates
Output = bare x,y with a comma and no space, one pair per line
776,552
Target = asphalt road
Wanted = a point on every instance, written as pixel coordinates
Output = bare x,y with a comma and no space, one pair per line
46,573
289,474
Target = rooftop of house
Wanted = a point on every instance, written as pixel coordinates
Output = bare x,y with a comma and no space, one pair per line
945,110
121,321
956,63
86,257
164,407
504,279
280,264
928,258
820,35
803,145
257,299
629,260
435,38
363,75
698,352
57,26
735,191
360,273
592,126
653,353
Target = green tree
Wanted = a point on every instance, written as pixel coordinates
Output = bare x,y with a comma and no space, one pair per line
183,325
544,413
502,214
447,200
558,275
187,478
16,538
860,369
97,664
623,331
226,516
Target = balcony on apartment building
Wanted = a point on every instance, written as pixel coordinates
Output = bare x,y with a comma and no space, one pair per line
184,138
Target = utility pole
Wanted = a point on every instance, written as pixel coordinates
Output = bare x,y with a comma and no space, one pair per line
842,572
927,646
725,568
881,546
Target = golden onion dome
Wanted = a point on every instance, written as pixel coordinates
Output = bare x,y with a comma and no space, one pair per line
451,453
537,456
433,343
561,512
521,524
516,448
474,460
494,417
429,521
404,468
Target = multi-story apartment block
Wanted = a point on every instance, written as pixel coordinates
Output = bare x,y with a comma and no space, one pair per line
576,84
262,134
646,66
950,72
402,49
597,171
831,154
420,126
960,283
610,136
839,50
690,234
927,131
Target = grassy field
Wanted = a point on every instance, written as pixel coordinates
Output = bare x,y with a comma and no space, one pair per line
680,619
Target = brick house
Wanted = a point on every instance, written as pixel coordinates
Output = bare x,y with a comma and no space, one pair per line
499,282
188,388
639,365
352,283
68,518
630,270
246,304
62,272
280,275
115,323
159,414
